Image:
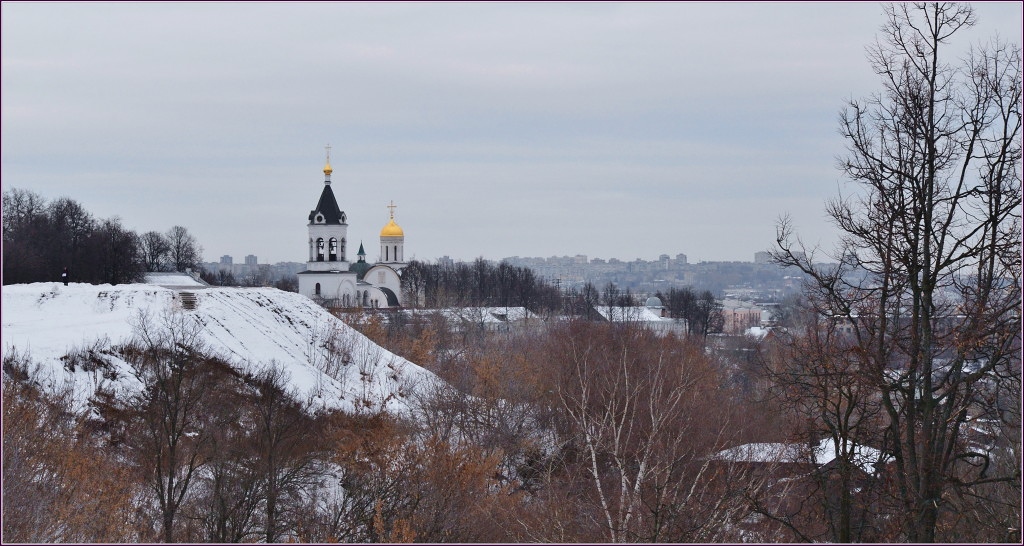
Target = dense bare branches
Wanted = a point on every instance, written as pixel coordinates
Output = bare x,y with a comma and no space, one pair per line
478,284
636,410
60,483
929,273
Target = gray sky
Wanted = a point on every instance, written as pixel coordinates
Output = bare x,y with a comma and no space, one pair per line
621,130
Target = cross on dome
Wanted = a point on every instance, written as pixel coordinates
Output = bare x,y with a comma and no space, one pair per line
392,229
327,168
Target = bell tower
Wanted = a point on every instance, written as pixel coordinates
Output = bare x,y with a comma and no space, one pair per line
327,275
328,229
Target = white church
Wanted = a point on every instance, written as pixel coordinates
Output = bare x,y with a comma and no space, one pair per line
330,278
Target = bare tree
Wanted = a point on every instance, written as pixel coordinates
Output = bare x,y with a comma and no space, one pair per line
230,490
170,436
115,252
70,228
285,444
929,265
817,376
702,313
156,250
24,219
633,404
61,484
185,252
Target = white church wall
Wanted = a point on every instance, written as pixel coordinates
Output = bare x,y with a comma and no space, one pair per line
382,275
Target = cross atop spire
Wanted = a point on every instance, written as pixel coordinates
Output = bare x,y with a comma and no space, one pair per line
392,206
327,167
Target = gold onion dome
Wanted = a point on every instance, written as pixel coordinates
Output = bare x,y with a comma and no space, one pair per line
392,230
327,168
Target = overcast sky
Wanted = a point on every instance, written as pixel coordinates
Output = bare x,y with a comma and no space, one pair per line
622,130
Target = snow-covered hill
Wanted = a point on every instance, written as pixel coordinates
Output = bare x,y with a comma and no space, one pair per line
251,328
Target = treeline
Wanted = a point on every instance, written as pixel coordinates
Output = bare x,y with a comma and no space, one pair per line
484,284
701,311
41,239
479,284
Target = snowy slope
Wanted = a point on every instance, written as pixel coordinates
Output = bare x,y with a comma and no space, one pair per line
251,328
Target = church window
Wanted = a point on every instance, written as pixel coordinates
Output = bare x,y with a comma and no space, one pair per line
333,250
386,253
320,249
396,253
342,249
316,290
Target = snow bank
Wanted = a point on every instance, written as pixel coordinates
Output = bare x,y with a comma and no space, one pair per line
327,361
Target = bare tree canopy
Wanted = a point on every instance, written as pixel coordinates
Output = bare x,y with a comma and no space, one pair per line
156,250
928,281
185,252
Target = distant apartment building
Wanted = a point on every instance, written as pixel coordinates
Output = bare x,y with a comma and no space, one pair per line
226,260
739,316
250,260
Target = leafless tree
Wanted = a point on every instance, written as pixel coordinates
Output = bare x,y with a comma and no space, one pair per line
115,254
635,407
156,250
185,252
24,218
61,483
817,376
169,433
286,447
929,264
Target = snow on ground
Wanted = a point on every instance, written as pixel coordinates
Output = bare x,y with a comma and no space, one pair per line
174,279
328,361
756,332
630,314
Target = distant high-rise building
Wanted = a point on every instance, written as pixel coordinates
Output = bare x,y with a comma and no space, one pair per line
250,260
681,259
762,257
225,260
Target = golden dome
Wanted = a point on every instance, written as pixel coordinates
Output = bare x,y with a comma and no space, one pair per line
327,168
392,230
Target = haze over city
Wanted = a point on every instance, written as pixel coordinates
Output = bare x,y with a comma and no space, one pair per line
606,129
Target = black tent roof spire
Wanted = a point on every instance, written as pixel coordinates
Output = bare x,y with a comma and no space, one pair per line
327,210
